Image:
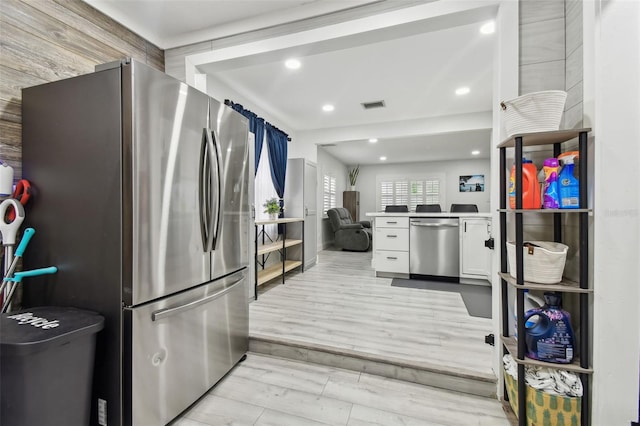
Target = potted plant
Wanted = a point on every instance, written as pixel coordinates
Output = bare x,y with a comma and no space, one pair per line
272,208
353,176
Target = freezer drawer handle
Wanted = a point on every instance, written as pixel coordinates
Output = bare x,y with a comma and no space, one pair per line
391,236
392,258
158,315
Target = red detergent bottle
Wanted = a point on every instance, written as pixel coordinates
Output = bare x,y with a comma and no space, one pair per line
530,188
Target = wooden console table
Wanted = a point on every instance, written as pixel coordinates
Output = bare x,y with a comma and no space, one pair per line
264,245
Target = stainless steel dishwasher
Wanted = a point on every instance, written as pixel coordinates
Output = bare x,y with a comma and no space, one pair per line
434,247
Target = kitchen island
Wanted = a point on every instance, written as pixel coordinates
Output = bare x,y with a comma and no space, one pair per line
447,246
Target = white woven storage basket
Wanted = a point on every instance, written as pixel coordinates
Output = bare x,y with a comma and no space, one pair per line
543,261
533,112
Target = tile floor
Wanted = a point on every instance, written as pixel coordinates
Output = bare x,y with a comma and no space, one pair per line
340,306
265,390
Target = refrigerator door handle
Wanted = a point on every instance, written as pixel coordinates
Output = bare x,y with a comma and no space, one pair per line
164,313
215,154
209,222
205,189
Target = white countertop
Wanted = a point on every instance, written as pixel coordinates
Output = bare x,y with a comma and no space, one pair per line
414,214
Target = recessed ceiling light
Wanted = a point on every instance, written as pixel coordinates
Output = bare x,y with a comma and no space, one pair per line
462,91
373,140
475,152
383,158
488,28
328,108
292,64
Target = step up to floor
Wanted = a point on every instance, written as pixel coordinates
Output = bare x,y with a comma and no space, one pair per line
416,372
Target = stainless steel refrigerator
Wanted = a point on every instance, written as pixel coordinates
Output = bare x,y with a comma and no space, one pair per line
141,201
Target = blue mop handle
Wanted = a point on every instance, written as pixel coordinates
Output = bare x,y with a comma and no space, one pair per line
26,237
17,277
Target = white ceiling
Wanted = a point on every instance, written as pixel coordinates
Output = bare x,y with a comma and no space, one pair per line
439,147
416,76
173,23
414,69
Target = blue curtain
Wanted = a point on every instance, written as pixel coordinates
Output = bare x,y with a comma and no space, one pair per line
256,126
276,145
277,148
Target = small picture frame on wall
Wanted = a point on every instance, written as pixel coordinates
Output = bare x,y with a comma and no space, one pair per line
472,183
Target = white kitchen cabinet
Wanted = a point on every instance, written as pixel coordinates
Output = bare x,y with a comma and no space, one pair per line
393,262
391,245
475,258
300,200
395,239
392,222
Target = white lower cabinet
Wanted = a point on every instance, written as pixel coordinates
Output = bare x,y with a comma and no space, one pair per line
395,239
475,258
392,261
391,245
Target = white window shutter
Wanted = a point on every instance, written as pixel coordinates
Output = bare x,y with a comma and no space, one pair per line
329,193
408,192
401,192
386,194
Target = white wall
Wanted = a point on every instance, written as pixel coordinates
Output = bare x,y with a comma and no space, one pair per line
612,108
505,86
221,91
329,165
451,170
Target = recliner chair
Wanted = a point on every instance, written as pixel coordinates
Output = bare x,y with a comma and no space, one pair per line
349,235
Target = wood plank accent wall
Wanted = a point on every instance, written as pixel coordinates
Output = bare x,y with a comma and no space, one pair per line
573,111
49,40
551,59
542,45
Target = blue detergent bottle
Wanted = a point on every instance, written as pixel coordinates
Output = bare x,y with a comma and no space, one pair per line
568,184
530,302
551,339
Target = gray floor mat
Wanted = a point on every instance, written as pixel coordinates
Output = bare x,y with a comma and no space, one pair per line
477,299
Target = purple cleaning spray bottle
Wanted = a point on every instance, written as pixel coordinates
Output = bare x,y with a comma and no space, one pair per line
551,198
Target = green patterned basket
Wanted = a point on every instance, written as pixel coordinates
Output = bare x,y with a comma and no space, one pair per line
544,409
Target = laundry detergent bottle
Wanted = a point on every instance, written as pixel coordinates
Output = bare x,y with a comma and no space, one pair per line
551,197
551,338
568,184
530,187
530,302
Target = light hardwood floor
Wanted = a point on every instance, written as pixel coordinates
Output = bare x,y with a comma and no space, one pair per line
339,306
338,314
265,390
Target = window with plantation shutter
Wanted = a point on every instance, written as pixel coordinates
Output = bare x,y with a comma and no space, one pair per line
401,192
386,194
329,193
432,192
409,192
417,194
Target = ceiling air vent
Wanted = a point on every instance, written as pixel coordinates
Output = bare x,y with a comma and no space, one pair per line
374,104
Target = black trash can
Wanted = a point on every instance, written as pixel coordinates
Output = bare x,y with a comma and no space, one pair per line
46,366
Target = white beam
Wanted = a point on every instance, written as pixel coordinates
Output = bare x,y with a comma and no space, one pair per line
398,129
412,20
